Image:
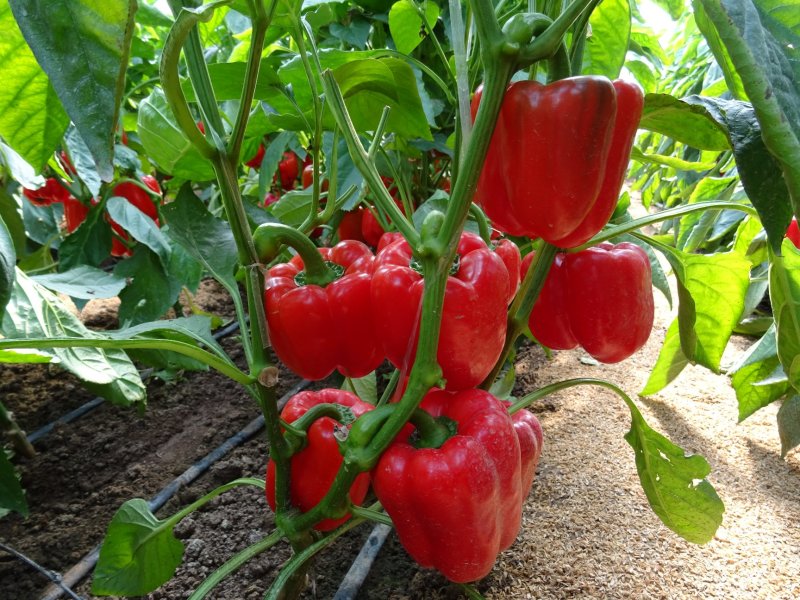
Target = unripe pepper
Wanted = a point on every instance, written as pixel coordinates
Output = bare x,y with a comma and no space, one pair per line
315,330
473,319
556,152
313,469
600,298
457,506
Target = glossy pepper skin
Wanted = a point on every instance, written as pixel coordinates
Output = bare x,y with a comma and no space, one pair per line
315,330
457,506
793,232
600,298
314,468
473,319
50,193
543,137
141,200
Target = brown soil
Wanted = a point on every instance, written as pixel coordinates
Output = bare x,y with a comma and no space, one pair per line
587,531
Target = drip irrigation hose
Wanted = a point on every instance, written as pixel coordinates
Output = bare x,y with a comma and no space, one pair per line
92,404
359,570
76,573
51,575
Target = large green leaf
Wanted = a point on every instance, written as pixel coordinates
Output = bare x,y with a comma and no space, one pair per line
141,227
139,552
8,260
762,38
206,238
89,244
12,497
83,46
757,377
406,25
369,85
33,128
732,78
227,79
151,290
685,123
10,215
758,169
671,361
606,48
789,424
675,483
711,290
83,282
784,293
165,143
34,312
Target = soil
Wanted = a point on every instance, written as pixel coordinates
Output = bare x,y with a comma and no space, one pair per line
587,530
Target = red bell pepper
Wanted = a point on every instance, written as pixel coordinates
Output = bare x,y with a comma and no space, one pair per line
474,316
544,136
75,213
793,232
51,192
457,506
141,200
255,162
315,330
288,170
314,468
350,225
600,298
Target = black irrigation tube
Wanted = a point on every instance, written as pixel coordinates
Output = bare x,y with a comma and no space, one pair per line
359,570
76,573
51,575
92,404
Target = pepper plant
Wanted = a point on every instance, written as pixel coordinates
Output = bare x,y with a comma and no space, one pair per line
541,159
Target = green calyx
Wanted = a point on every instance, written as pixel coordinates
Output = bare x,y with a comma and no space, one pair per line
454,267
301,278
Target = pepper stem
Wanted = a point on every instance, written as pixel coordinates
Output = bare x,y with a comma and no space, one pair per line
268,238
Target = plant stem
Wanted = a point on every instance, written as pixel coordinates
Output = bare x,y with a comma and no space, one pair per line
523,304
270,236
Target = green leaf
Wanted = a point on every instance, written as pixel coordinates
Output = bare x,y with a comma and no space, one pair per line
8,261
89,244
605,49
165,143
227,79
758,364
675,483
140,226
670,161
150,291
82,160
83,282
365,387
83,47
293,207
24,357
369,85
763,40
34,312
33,128
685,123
139,553
695,227
759,171
789,424
732,79
12,496
406,25
671,361
711,291
10,215
784,293
206,238
675,8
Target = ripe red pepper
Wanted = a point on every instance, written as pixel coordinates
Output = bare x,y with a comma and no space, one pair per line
314,468
75,213
288,170
543,137
51,192
315,330
793,232
505,249
255,162
457,506
350,225
474,316
600,298
141,200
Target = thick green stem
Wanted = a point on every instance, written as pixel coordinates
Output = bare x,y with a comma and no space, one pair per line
522,306
483,223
